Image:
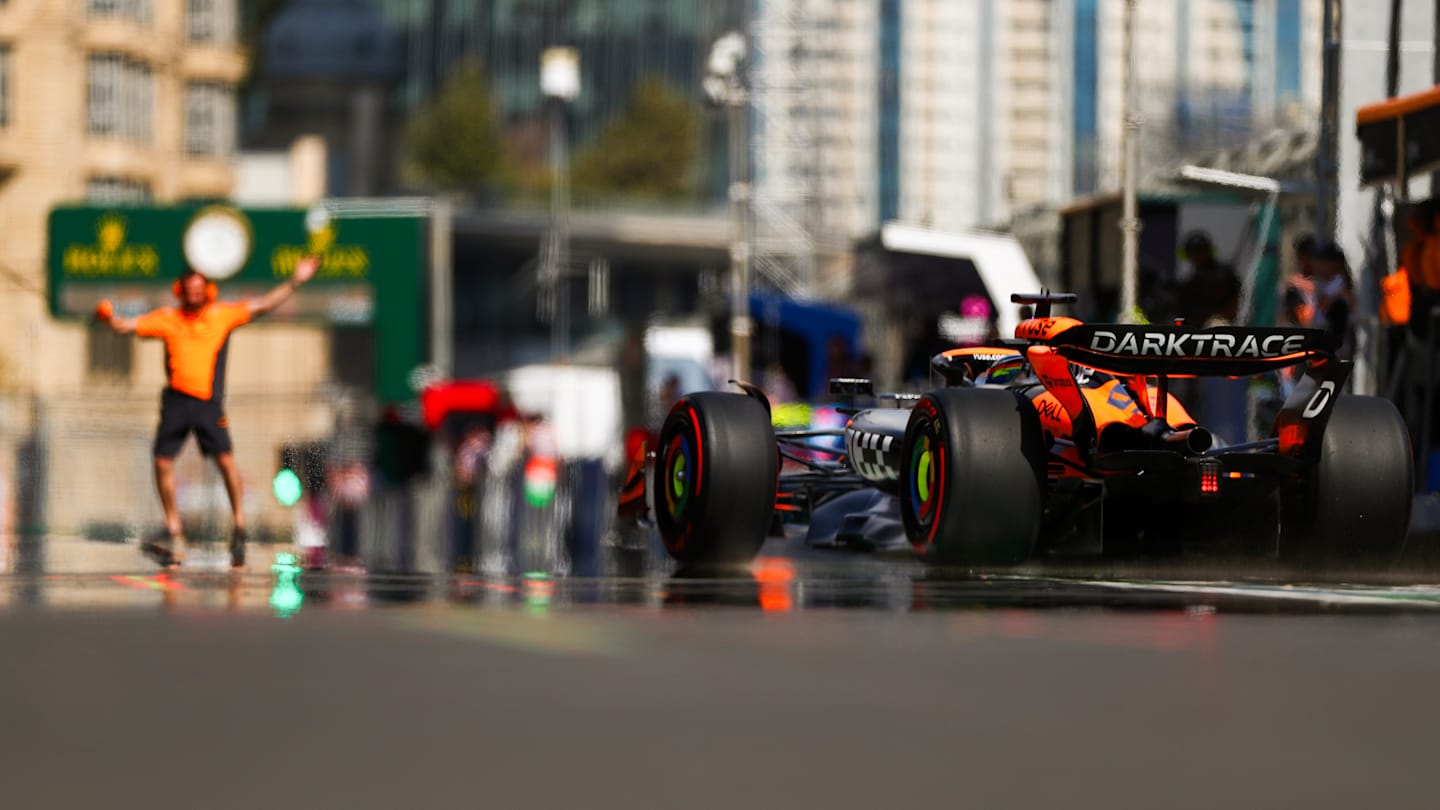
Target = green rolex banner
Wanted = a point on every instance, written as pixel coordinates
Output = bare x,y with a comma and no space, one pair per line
373,270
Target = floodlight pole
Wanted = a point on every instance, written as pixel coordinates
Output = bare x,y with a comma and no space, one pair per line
1327,162
741,327
1435,77
559,248
442,288
1129,179
560,82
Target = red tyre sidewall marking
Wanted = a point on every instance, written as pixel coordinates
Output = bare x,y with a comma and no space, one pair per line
939,493
699,448
678,545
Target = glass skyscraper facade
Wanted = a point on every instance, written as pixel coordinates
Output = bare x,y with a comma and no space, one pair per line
1288,20
1234,68
1085,98
620,42
889,107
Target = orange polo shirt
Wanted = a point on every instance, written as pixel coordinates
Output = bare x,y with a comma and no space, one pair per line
195,344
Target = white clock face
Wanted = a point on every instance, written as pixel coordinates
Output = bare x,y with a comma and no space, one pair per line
217,243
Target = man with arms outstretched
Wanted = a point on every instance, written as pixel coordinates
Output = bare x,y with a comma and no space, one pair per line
197,338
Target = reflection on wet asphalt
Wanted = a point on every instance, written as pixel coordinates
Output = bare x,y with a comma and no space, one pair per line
787,577
804,680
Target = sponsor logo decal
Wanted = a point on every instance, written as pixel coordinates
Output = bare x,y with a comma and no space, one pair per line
1051,410
870,455
1195,344
111,256
987,358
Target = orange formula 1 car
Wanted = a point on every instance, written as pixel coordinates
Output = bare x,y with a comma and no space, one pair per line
1064,439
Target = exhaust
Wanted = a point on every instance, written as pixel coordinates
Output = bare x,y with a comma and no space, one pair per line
1193,441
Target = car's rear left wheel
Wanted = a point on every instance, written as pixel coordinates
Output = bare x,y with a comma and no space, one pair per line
972,487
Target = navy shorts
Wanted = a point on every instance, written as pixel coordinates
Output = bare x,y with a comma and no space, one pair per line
181,414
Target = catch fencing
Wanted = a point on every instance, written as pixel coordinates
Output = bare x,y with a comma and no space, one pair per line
79,466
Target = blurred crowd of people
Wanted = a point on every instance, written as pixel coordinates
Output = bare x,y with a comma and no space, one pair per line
493,484
1320,294
1207,291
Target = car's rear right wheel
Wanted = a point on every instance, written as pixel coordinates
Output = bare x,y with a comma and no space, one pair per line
1355,505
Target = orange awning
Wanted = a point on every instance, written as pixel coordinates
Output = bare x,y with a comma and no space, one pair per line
1395,107
1380,128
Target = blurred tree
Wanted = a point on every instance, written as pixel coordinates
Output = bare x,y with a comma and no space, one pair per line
649,152
455,142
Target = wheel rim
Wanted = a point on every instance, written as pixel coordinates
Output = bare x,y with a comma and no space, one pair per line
926,472
679,468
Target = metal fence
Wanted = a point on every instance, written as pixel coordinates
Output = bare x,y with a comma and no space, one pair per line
491,528
79,466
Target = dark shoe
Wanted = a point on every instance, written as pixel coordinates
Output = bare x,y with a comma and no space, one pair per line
166,550
237,550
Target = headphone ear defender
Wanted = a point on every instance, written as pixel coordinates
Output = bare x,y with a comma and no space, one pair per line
212,291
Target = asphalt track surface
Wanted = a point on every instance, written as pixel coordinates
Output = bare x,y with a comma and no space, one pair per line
807,680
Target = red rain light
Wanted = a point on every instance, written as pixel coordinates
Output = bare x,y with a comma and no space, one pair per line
1210,479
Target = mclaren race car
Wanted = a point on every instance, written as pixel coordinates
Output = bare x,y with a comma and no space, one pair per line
1064,439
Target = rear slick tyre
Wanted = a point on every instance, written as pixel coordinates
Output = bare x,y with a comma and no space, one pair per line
972,486
716,476
1355,507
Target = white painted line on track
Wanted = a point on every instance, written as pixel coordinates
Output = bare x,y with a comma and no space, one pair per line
1418,596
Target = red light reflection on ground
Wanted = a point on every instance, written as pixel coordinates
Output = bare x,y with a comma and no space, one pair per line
775,575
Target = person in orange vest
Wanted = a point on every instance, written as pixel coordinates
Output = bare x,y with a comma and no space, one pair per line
196,333
1424,270
1397,288
1322,294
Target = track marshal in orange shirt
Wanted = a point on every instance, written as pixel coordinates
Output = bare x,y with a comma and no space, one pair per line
197,338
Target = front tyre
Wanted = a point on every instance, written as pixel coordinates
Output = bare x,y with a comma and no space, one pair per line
972,486
716,475
1355,507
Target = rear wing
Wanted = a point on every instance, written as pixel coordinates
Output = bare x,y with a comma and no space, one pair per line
1221,351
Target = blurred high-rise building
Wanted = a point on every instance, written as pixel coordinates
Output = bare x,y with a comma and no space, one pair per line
940,112
1038,160
954,126
327,70
960,113
621,43
106,100
815,103
1212,74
